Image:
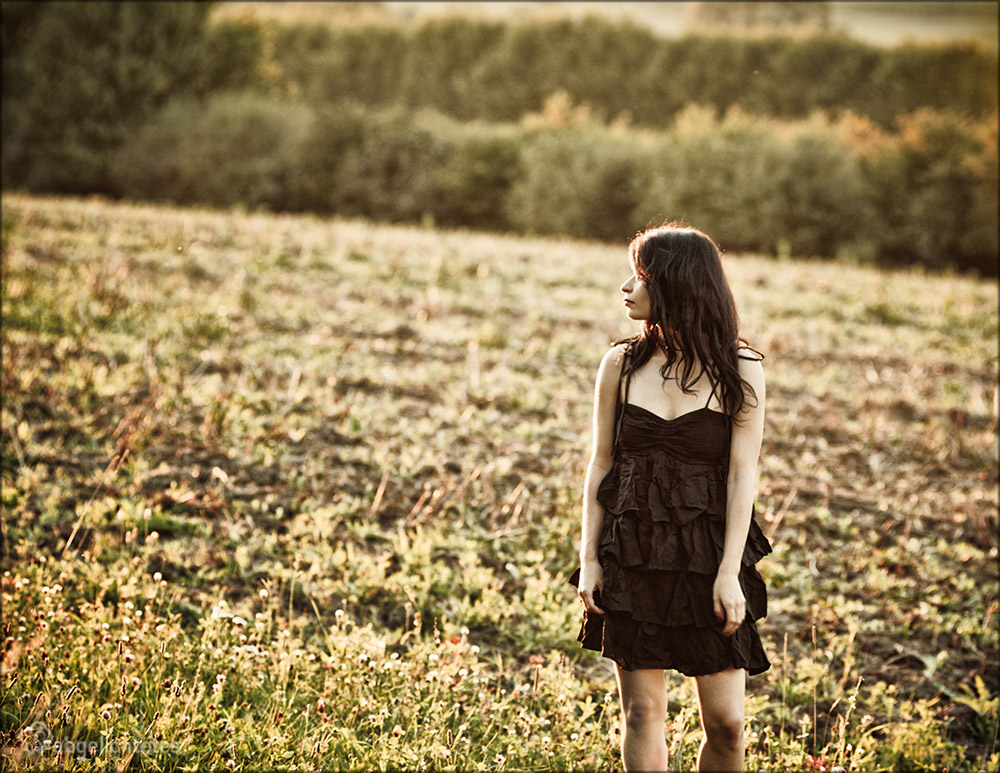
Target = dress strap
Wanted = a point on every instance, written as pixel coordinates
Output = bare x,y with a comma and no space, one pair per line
620,398
711,394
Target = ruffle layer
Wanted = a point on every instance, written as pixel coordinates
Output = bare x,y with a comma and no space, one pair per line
666,487
663,514
674,598
691,650
661,545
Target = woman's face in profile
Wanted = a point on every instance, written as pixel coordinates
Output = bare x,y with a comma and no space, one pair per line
636,297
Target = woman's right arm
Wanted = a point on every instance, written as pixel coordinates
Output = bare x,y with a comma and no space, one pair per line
591,574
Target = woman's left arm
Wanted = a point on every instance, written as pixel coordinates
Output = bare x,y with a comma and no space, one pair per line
744,451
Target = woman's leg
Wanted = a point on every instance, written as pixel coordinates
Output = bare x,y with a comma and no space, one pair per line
721,700
643,695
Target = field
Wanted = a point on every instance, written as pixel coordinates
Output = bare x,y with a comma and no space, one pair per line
295,492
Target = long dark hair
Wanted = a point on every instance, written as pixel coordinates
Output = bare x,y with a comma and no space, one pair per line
692,314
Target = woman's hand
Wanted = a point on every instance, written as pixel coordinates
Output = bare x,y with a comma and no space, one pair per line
729,602
591,580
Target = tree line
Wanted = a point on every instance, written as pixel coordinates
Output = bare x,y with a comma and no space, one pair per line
546,128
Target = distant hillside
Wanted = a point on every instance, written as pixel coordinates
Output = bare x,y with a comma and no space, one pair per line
884,23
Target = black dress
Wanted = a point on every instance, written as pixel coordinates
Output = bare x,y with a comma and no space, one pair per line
660,548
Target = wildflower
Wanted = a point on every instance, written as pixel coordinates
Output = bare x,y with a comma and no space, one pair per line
536,660
136,681
574,736
500,759
262,593
446,753
464,631
463,672
474,649
105,714
239,621
546,741
321,705
339,615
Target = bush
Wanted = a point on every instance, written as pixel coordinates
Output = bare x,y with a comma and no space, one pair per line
932,188
389,174
325,65
334,131
580,181
235,148
498,72
723,177
80,78
476,177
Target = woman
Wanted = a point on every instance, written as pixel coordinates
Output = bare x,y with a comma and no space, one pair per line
670,542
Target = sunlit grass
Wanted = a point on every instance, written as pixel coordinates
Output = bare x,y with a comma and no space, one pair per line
288,492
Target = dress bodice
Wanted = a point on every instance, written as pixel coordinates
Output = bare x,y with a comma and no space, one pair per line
699,436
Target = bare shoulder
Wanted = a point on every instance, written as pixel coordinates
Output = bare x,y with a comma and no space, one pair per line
611,365
615,354
752,372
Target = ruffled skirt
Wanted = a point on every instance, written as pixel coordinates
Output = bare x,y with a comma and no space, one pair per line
660,549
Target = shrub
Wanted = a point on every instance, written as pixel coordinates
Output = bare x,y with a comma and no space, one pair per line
335,129
721,176
484,69
932,188
580,181
359,64
83,77
389,175
235,148
476,176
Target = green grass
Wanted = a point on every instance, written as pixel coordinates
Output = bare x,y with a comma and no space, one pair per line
289,492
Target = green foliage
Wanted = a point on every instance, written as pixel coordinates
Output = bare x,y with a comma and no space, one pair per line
580,180
250,144
474,181
234,59
389,174
85,78
482,69
946,169
324,65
